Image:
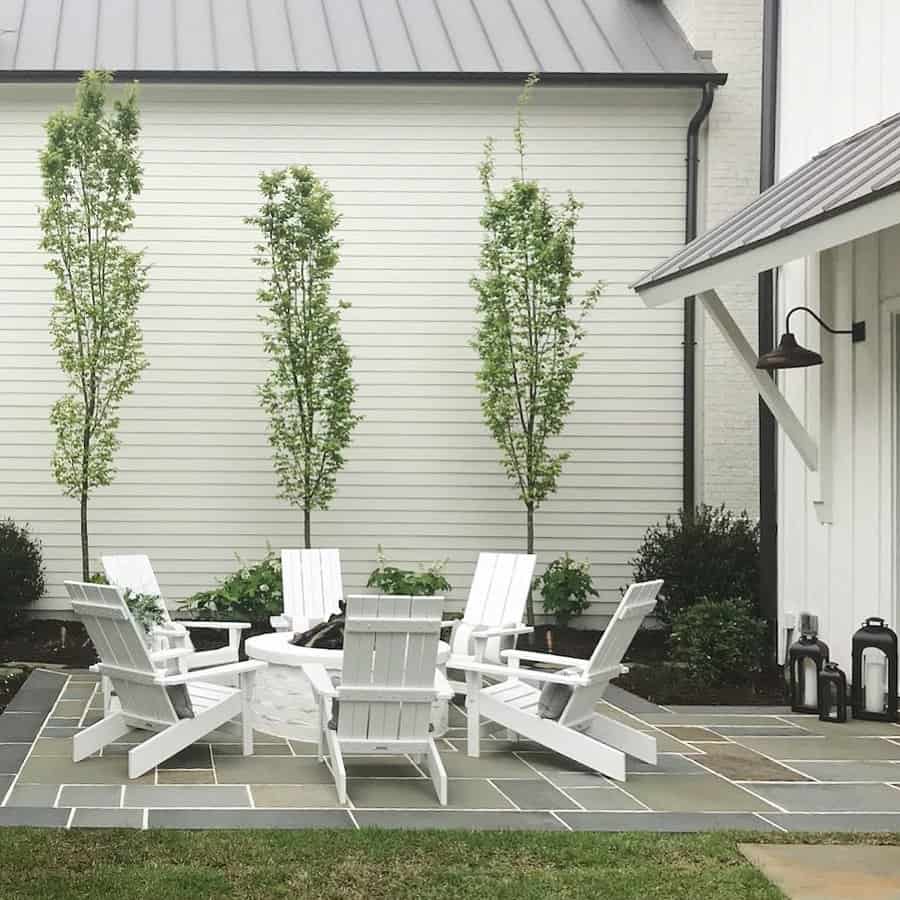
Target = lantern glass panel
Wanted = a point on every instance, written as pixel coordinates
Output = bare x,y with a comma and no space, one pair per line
875,671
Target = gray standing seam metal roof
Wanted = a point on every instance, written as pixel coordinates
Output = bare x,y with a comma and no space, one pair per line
587,39
856,170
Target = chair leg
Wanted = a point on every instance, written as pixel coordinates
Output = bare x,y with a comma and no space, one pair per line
437,771
473,718
323,724
106,687
337,767
248,680
98,735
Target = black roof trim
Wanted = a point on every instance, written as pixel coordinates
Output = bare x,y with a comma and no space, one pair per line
892,188
649,79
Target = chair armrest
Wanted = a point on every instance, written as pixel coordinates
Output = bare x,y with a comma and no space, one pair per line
165,655
319,679
500,631
467,664
214,672
449,623
547,658
169,631
442,686
223,626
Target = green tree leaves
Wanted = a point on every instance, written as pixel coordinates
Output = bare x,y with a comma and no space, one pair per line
309,393
530,323
91,173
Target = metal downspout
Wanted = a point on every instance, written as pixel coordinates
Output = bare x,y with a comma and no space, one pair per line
689,422
768,447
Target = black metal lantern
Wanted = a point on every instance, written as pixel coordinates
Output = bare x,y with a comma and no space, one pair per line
874,690
806,659
832,694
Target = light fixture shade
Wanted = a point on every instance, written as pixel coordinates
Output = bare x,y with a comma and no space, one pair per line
788,355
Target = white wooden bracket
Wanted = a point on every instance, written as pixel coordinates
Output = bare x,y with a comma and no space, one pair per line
765,386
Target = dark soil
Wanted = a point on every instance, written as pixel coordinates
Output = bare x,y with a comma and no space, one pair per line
48,641
210,639
649,645
66,642
10,682
652,675
666,683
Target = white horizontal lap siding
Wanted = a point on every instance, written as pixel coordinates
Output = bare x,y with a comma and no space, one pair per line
195,482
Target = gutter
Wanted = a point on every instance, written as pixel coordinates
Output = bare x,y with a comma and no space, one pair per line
768,446
689,376
194,76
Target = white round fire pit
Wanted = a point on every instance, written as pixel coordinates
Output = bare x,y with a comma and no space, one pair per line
283,703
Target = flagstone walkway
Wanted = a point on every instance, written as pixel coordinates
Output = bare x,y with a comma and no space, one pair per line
758,769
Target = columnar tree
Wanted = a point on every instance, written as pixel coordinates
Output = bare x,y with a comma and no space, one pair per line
530,325
91,173
309,393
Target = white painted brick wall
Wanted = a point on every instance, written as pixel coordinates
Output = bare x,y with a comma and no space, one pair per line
732,29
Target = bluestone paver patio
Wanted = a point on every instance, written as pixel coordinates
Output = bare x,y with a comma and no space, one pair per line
762,769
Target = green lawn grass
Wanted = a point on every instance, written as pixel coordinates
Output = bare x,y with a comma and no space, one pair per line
419,865
173,865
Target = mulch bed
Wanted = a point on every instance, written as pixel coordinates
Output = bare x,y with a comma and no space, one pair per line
48,641
652,676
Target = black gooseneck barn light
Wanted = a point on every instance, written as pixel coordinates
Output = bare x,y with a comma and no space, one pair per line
790,355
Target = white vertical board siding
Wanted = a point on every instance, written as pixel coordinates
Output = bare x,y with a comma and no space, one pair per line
839,73
195,483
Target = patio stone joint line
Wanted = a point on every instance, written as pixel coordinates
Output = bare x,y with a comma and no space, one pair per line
34,741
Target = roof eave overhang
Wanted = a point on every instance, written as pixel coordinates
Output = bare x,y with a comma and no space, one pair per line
813,236
647,79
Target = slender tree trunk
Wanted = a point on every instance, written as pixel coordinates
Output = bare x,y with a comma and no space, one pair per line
85,554
529,605
306,528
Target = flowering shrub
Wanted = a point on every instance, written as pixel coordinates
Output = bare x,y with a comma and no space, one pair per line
566,588
391,580
252,593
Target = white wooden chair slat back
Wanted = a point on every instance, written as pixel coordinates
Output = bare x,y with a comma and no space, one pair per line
119,643
638,602
497,597
403,656
499,588
311,585
134,572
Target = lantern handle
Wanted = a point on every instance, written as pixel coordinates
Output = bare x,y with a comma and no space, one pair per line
874,620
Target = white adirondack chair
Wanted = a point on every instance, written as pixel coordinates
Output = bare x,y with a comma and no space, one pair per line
494,610
134,572
388,683
580,733
311,586
140,680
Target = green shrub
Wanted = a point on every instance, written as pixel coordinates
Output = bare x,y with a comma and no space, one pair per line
390,580
252,593
721,642
566,588
714,555
21,572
